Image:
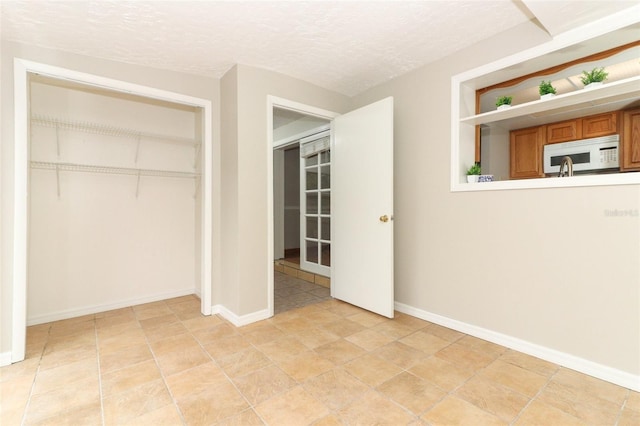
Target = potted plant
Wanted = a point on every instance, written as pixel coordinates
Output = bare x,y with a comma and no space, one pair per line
546,90
473,173
594,78
504,102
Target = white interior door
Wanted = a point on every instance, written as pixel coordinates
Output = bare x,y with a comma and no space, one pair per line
362,208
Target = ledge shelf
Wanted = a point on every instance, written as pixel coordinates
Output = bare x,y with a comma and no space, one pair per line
615,95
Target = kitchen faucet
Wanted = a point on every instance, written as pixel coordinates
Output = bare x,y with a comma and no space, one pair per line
569,162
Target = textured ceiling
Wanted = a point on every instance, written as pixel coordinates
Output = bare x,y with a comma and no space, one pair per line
345,46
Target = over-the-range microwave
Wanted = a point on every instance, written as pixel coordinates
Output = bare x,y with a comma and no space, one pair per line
595,155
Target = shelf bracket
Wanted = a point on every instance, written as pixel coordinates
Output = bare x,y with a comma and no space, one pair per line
197,187
135,160
58,180
196,155
138,185
58,141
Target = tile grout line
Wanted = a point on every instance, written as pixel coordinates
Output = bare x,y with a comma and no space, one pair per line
624,404
35,376
155,360
95,325
535,397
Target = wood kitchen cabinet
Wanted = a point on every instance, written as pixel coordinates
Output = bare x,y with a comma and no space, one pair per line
595,126
592,126
564,131
630,144
525,152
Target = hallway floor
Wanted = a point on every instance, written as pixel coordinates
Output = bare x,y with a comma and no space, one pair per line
328,363
291,292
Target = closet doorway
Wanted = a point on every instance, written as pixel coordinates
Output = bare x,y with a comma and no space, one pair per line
73,146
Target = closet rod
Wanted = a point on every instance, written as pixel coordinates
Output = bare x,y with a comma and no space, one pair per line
103,129
70,167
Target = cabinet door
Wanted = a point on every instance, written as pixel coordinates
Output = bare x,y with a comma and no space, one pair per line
600,125
564,131
630,141
525,152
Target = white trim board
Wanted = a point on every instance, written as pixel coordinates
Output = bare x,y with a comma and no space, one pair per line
600,371
242,320
22,68
88,310
5,359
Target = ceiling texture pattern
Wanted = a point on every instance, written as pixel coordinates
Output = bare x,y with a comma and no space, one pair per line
344,46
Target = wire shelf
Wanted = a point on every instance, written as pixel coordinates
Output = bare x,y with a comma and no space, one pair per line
104,129
86,168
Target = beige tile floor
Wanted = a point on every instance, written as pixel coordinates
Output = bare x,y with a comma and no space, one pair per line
291,292
328,363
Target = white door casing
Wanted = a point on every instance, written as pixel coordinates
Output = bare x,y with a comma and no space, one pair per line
362,208
22,68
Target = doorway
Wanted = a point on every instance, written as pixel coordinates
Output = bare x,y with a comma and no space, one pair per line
361,207
302,233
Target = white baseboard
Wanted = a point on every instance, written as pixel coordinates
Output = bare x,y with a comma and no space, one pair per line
239,321
87,310
609,374
5,358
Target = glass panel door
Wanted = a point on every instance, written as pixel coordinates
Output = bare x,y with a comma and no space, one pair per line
315,208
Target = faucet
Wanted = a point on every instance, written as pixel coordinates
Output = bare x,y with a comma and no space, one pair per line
569,162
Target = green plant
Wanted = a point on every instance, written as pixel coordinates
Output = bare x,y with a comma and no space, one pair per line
474,170
596,75
545,88
504,100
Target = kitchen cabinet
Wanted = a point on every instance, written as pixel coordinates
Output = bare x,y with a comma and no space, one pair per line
630,146
595,126
525,152
564,131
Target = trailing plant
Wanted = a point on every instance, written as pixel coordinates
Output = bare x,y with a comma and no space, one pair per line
545,88
474,170
596,75
504,100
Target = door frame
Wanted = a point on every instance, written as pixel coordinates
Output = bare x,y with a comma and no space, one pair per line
22,69
276,102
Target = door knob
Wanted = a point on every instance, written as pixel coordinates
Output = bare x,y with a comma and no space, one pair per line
384,218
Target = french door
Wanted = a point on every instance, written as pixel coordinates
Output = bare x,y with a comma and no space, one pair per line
315,204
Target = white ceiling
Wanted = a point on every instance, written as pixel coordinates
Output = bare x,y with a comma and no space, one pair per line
345,46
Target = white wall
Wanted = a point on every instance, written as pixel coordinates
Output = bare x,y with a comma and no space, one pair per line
546,266
97,245
197,86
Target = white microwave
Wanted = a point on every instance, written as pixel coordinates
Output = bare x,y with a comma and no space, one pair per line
588,155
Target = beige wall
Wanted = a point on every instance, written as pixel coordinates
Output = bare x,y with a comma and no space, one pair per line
547,266
249,228
196,86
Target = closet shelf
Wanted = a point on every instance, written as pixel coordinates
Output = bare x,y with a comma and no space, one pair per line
70,167
103,129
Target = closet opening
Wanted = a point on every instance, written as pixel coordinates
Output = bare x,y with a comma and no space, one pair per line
119,208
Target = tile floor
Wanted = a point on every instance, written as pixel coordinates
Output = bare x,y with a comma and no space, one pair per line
327,363
291,292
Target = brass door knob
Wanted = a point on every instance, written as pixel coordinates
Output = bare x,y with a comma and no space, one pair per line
384,218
